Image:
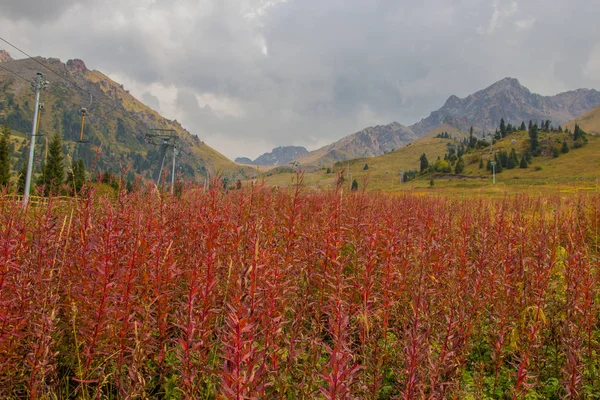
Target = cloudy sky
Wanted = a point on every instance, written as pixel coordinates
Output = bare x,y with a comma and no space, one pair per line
249,75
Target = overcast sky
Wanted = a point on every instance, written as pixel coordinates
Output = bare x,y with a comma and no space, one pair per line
249,75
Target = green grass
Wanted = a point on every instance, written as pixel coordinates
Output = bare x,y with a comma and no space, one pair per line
575,171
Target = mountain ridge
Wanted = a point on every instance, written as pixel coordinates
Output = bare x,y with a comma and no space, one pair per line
482,110
280,155
115,119
510,100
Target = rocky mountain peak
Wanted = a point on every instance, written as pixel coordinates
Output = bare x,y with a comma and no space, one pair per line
4,56
76,65
508,82
512,101
452,101
509,86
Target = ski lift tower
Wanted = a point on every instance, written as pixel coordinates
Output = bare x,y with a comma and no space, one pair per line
165,139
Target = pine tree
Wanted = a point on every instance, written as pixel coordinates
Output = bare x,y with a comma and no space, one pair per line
460,166
579,134
5,157
523,127
499,167
53,171
76,176
366,167
502,127
424,162
354,187
565,147
22,178
512,160
533,139
472,138
523,163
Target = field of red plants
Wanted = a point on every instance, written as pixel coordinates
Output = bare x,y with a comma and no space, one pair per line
259,293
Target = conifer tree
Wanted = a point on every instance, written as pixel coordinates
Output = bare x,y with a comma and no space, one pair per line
499,166
565,147
523,163
53,171
76,176
459,167
523,127
512,161
22,178
424,162
5,157
502,127
533,139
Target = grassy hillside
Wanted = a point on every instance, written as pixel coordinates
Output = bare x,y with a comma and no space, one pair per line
578,169
589,122
384,171
116,121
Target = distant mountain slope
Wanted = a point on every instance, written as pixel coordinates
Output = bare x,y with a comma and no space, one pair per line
483,110
278,156
368,142
115,119
589,122
510,100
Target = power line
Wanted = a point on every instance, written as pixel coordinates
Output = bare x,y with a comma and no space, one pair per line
66,78
15,74
57,94
133,118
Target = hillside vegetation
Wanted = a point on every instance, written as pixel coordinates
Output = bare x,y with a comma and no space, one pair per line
550,169
115,126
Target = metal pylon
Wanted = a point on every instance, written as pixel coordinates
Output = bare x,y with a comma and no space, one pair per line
166,139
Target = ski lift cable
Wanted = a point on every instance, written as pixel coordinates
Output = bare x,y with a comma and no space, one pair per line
114,108
128,117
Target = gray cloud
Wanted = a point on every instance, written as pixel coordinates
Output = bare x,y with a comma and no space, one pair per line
150,100
253,74
35,10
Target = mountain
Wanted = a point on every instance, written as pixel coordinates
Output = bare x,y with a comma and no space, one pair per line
483,110
368,142
115,120
244,160
510,100
278,156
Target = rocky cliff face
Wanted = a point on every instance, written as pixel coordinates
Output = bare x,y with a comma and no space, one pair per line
510,100
77,66
4,56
